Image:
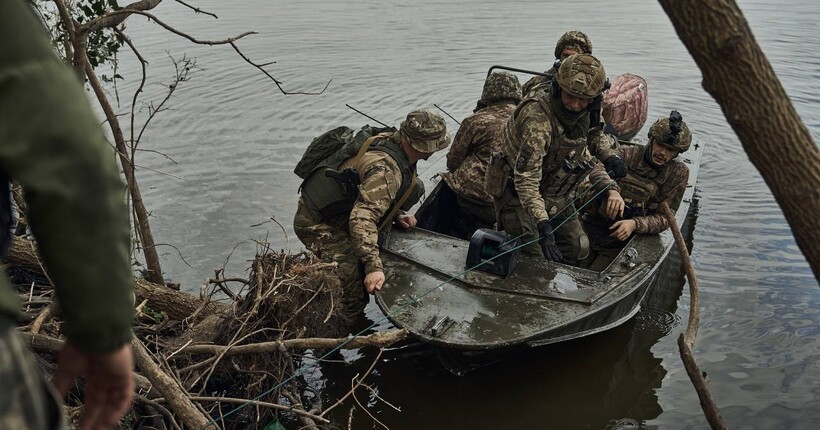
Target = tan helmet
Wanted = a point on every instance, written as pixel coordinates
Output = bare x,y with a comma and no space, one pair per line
575,40
501,86
425,130
672,131
582,76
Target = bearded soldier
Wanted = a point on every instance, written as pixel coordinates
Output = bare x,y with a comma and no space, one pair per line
547,150
477,138
654,175
344,226
572,42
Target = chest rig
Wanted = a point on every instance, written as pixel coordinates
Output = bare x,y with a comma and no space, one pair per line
566,164
641,186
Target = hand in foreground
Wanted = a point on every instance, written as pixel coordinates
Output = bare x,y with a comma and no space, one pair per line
373,281
109,383
614,205
547,241
622,229
406,221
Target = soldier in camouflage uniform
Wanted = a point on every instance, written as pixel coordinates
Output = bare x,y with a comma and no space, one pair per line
654,176
548,149
477,138
51,143
572,42
347,230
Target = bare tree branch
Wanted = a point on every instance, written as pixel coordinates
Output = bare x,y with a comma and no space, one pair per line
196,9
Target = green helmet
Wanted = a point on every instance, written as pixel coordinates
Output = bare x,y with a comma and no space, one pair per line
582,76
672,131
575,40
425,130
501,86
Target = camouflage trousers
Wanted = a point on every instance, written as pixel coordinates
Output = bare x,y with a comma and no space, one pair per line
570,237
473,215
332,243
27,400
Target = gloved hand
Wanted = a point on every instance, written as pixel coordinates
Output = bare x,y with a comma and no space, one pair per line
615,166
547,241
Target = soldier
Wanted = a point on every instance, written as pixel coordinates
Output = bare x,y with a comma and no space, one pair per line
547,150
572,42
344,227
654,176
51,143
477,138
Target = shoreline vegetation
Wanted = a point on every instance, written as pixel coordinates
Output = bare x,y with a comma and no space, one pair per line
222,360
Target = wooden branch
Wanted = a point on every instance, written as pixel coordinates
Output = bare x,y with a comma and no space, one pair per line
686,340
738,75
378,339
128,12
355,383
259,403
43,317
115,18
176,396
196,9
141,214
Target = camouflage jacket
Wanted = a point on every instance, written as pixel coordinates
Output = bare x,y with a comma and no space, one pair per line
380,183
670,191
531,131
477,138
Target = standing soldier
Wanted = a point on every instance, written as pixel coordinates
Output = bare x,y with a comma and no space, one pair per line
572,42
548,148
342,223
477,138
51,143
654,175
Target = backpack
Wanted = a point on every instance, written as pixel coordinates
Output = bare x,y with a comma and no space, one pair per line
330,142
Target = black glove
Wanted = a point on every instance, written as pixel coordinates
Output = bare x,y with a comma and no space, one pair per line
615,166
547,242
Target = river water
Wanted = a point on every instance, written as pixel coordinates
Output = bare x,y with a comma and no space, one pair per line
234,139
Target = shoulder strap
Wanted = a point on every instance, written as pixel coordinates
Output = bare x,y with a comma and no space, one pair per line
389,218
366,146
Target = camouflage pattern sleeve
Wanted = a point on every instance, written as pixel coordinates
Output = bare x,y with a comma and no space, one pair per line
380,182
460,149
600,180
600,144
671,192
533,129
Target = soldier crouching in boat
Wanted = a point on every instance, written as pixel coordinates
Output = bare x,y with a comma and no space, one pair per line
654,175
547,151
343,223
477,138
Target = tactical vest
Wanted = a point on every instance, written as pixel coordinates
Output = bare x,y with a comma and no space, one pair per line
641,186
566,163
326,199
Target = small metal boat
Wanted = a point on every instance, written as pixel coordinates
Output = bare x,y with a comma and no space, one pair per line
430,292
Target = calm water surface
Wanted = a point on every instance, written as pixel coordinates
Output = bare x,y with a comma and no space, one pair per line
235,140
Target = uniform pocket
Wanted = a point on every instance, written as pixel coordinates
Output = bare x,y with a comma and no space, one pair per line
495,180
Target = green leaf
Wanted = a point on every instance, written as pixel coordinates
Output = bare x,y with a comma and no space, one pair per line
274,425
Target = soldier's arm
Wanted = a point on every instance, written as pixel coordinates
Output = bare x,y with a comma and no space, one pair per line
460,148
381,181
601,181
52,144
671,193
600,144
534,128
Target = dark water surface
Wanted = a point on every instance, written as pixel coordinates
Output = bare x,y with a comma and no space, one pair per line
236,139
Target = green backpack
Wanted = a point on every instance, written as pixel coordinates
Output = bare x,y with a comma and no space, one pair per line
330,142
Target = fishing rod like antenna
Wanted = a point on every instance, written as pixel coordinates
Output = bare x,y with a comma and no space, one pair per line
445,112
513,69
367,116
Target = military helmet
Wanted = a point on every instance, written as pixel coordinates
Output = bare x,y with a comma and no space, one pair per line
501,86
672,131
582,76
425,130
575,40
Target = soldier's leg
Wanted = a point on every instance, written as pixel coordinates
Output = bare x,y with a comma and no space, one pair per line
26,399
573,241
331,243
515,221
